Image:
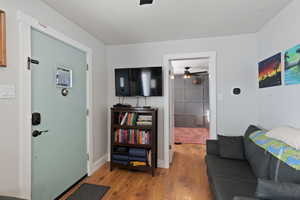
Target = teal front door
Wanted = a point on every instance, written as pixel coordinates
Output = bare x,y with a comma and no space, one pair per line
59,150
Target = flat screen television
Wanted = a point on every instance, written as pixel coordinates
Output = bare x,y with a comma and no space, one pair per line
138,81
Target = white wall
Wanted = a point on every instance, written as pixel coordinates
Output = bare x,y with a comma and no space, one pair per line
236,67
9,109
279,105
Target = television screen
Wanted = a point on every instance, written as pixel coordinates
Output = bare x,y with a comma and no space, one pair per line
122,82
139,81
150,81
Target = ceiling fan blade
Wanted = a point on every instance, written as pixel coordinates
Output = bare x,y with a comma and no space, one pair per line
142,2
198,73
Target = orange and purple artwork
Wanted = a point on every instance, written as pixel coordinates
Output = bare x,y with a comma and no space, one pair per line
270,71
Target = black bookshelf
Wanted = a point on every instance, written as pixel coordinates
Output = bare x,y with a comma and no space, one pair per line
151,146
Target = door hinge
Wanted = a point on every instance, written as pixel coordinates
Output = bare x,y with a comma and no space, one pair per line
87,112
88,156
87,67
170,147
31,61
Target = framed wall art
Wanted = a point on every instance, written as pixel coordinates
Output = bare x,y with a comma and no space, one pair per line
292,66
270,71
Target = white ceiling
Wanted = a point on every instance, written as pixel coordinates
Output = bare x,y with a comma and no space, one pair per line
197,65
124,21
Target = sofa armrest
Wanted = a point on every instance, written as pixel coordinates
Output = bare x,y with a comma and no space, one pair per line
245,198
212,147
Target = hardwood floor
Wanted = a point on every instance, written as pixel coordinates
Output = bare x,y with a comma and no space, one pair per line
185,180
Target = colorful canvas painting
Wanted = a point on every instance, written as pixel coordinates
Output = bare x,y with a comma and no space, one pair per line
292,65
270,71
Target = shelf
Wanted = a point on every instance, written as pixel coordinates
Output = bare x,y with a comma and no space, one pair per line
134,109
120,153
142,168
133,145
152,129
132,127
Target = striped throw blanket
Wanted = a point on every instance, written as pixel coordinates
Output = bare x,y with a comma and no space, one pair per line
277,148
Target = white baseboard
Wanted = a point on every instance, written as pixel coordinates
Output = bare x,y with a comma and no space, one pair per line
161,164
99,163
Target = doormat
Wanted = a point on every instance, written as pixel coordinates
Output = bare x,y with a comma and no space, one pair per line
89,192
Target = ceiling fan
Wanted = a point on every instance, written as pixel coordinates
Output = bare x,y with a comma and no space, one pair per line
188,74
143,2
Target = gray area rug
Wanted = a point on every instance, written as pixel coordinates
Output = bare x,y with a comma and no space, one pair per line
89,192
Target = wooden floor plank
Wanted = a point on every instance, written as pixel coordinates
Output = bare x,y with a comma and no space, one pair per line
185,180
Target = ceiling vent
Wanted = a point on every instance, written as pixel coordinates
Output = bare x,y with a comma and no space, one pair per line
143,2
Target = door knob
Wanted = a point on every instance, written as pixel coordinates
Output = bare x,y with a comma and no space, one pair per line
37,133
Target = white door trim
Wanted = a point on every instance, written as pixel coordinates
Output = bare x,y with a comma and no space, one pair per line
211,55
26,23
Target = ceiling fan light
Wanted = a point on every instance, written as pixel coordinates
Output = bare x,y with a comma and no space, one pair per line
187,73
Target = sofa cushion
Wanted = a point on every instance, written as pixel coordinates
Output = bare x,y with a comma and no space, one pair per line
231,147
232,169
251,129
257,157
267,189
212,147
227,189
279,171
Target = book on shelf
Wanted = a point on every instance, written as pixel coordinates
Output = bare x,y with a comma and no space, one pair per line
123,118
144,120
120,150
137,163
137,152
149,157
128,118
144,123
132,119
120,157
132,136
134,157
145,117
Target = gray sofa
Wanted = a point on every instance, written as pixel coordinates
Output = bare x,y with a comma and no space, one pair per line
232,179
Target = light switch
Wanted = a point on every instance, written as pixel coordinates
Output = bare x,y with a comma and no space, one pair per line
7,91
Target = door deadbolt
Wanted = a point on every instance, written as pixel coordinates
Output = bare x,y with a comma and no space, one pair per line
36,119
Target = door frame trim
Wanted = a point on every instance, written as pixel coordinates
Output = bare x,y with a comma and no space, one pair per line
212,56
26,23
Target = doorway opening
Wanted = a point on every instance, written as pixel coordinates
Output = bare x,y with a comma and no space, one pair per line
190,100
196,74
